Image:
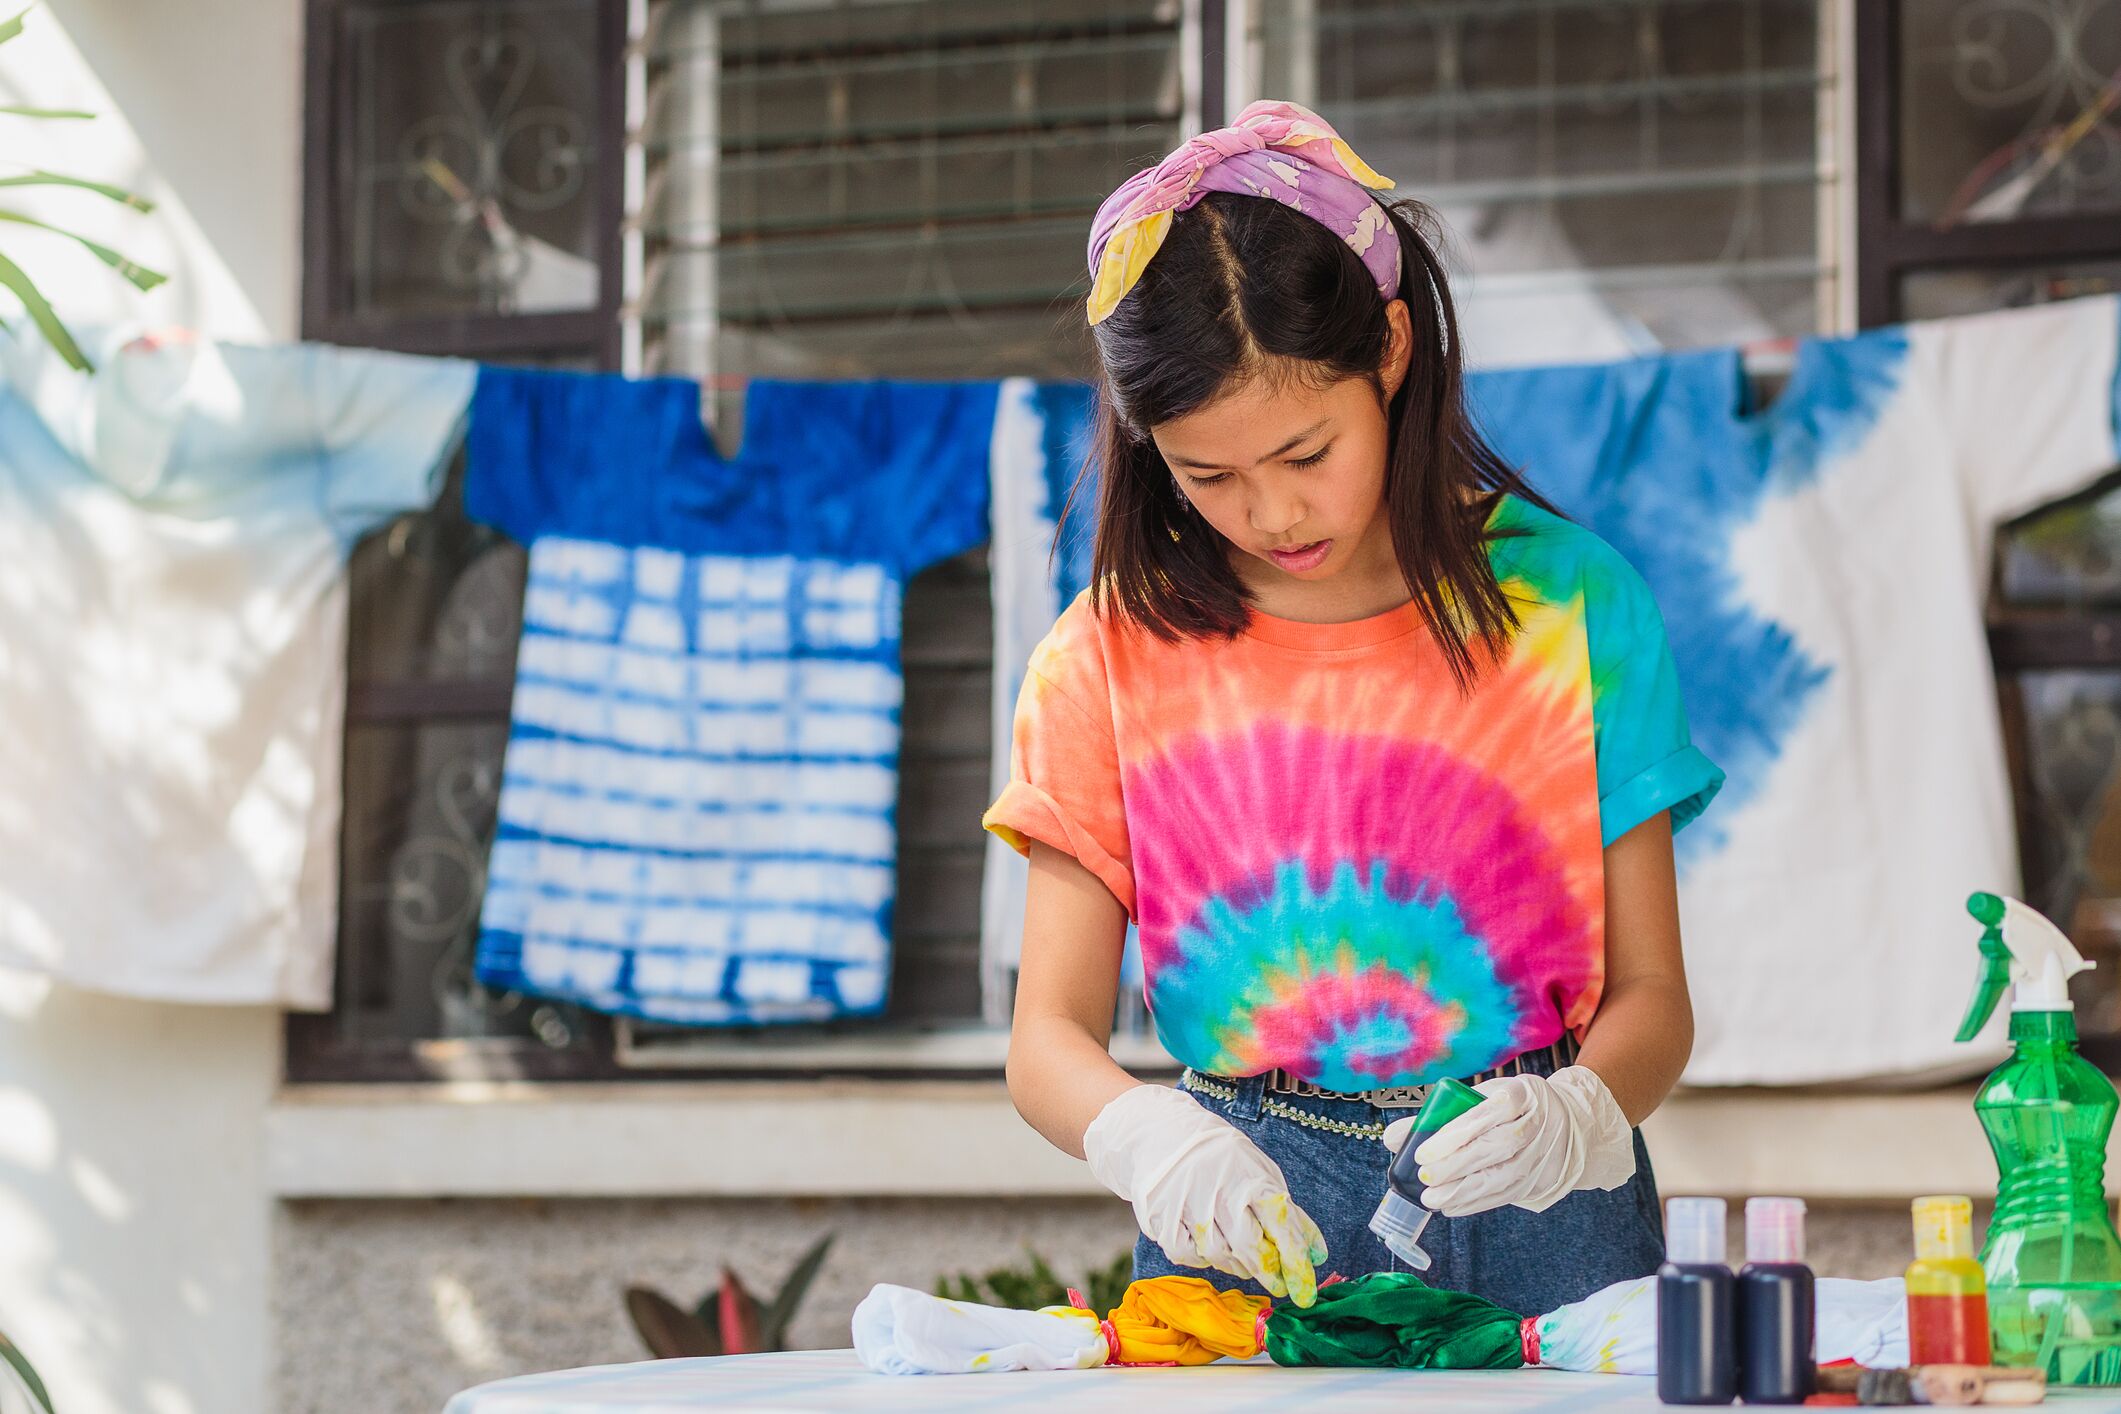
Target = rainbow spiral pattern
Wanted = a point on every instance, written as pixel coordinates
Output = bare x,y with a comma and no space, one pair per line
1340,865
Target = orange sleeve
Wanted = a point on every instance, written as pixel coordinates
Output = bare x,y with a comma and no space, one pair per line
1064,788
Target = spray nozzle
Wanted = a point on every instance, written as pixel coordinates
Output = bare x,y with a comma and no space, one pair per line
2020,948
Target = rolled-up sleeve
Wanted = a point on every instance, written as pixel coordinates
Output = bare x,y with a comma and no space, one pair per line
1647,761
1064,786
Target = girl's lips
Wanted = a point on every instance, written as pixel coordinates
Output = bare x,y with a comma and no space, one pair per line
1302,557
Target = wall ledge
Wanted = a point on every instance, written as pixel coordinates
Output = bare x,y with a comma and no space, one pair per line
946,1138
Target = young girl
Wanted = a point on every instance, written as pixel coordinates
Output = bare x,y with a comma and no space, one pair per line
1381,754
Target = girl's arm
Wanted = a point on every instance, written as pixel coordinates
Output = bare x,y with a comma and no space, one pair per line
1060,1072
1535,1141
1200,1189
1644,1030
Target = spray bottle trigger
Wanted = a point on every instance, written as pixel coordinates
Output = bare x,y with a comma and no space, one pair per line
1989,983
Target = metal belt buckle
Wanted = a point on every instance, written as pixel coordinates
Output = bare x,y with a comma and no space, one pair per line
1389,1097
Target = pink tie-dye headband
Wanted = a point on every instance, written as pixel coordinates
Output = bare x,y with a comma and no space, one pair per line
1254,156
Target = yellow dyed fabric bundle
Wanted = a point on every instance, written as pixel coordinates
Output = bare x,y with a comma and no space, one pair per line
1184,1321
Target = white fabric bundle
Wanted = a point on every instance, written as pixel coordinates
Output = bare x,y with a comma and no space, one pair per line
1614,1331
1868,1322
900,1331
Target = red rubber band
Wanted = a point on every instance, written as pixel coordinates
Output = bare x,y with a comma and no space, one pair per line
1528,1339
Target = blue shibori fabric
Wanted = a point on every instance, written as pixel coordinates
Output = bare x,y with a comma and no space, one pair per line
697,810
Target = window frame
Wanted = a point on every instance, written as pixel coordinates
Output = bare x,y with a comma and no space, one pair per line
1888,247
326,118
1213,38
2021,639
313,1050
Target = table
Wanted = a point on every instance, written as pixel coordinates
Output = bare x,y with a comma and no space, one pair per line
835,1380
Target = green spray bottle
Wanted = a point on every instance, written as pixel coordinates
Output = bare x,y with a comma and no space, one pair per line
2052,1258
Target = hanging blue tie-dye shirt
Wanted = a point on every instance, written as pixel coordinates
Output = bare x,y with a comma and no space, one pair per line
696,816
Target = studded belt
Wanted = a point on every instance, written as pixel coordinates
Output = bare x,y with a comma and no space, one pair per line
1543,1061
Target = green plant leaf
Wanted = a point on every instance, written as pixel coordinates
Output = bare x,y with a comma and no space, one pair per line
1027,1288
780,1312
966,1289
42,178
19,1363
22,110
10,28
142,278
13,278
667,1329
1035,1284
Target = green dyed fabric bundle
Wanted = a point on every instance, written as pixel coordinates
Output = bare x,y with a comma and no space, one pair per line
1396,1321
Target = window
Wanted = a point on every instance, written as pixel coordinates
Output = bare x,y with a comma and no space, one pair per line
2009,197
2013,193
830,190
2055,632
461,176
741,188
461,194
1616,177
891,189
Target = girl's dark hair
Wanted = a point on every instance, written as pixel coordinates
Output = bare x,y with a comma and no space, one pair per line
1244,287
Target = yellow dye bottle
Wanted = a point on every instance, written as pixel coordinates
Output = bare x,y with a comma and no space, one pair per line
1947,1296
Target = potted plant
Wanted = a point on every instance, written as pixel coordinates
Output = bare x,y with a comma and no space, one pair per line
728,1320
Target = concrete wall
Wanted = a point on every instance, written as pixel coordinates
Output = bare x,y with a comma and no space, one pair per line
399,1304
134,1221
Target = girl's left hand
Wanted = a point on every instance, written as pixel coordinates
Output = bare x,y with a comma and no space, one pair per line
1532,1142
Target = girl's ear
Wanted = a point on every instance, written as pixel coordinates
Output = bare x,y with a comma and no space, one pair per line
1399,350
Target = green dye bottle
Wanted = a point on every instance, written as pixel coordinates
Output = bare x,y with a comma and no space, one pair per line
2052,1258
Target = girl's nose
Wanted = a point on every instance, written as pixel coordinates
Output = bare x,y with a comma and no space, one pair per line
1275,514
1277,517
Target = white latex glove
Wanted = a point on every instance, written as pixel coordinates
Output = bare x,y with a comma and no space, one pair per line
1534,1141
1203,1192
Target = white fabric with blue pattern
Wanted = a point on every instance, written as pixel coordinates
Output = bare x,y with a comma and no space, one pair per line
1821,564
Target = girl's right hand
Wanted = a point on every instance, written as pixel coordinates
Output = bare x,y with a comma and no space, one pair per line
1203,1192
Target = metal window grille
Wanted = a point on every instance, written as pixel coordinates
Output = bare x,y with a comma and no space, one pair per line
1617,175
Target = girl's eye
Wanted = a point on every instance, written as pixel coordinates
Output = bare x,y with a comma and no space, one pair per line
1315,458
1216,480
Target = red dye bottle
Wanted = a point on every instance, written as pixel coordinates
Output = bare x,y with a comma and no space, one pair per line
1947,1296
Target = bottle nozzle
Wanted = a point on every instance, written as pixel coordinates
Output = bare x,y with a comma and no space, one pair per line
1694,1231
2023,948
1398,1223
1774,1229
1944,1227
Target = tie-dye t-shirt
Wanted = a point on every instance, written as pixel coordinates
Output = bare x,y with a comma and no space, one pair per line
1341,865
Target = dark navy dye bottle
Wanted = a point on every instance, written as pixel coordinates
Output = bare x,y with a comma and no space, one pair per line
1697,1319
1775,1311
